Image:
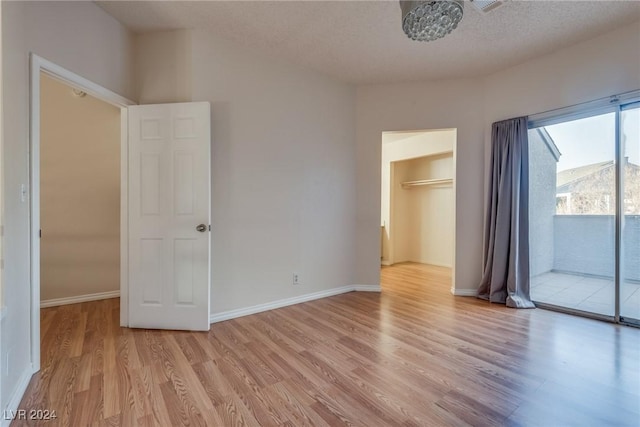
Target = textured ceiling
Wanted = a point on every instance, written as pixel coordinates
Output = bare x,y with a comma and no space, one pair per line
362,41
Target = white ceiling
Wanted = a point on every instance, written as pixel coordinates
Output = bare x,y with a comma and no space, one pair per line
362,41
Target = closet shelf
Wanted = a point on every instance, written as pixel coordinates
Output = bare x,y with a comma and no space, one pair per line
421,182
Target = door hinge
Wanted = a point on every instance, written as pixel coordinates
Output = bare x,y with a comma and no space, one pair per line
209,227
41,233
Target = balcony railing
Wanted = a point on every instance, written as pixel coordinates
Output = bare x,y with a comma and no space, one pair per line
584,244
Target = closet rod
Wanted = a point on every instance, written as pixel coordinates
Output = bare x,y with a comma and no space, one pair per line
409,184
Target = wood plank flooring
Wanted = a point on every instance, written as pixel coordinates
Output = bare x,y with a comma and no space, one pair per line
412,355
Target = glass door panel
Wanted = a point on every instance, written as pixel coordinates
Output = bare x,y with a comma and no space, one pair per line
572,193
630,235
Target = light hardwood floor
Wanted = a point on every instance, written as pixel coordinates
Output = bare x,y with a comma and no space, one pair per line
412,355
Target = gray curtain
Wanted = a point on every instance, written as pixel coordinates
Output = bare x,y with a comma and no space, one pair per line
505,277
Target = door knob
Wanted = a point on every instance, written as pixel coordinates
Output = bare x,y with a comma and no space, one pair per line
201,228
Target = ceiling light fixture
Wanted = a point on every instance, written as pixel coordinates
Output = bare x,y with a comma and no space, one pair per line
431,19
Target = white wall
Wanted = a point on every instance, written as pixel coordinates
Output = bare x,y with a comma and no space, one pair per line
283,185
401,222
163,67
79,193
78,36
283,181
592,69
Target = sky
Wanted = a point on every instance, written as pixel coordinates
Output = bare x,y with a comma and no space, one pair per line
592,140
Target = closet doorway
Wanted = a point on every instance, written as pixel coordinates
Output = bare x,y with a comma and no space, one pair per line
80,138
418,198
75,215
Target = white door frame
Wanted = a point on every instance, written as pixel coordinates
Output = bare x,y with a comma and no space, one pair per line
38,65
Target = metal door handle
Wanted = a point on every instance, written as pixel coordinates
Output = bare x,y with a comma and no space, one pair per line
201,228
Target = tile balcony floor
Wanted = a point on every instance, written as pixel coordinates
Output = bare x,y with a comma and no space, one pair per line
592,294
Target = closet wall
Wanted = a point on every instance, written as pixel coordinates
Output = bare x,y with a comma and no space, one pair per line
423,210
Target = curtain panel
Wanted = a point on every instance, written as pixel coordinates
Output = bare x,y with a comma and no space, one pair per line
505,276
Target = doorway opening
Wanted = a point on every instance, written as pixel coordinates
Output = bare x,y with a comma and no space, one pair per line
417,220
79,214
57,204
79,196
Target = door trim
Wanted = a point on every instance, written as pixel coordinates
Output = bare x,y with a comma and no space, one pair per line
38,65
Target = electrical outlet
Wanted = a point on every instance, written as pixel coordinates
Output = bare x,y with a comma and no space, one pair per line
296,279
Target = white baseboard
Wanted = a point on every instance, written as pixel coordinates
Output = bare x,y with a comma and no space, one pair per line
16,397
367,288
464,292
80,298
435,264
240,312
440,265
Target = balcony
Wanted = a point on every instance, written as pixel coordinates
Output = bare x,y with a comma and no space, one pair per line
585,293
572,264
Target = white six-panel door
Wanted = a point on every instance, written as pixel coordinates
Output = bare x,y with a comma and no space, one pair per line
169,216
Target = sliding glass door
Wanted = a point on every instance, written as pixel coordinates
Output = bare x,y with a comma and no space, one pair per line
584,197
572,215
